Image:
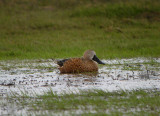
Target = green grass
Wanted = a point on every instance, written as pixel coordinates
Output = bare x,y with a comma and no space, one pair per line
137,102
66,28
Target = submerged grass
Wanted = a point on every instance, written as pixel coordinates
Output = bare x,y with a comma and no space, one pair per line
136,102
57,29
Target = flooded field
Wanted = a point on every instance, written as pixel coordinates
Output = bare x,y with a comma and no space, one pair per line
39,76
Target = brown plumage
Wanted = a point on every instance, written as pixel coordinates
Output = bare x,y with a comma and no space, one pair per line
77,65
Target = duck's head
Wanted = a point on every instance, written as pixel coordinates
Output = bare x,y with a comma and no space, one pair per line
91,55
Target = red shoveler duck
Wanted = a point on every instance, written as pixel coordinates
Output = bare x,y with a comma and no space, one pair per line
88,63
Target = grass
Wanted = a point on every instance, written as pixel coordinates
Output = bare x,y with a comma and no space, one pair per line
136,102
51,29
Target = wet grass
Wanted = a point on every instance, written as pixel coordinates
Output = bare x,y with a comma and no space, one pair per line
151,64
93,102
58,29
31,64
49,66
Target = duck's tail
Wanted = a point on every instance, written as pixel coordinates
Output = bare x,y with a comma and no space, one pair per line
61,62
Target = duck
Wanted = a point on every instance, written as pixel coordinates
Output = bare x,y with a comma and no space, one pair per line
87,63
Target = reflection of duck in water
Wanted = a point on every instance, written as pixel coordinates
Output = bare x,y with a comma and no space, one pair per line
77,65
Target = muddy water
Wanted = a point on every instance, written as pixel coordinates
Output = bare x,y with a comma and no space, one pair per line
40,75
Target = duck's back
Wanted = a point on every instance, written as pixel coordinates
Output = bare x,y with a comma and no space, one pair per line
77,65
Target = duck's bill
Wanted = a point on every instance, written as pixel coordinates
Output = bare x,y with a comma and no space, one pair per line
97,60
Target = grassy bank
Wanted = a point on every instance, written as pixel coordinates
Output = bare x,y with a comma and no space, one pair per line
66,28
95,102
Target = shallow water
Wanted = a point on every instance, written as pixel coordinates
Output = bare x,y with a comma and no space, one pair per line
40,75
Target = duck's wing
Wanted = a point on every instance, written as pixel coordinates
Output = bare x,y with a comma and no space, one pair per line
61,62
